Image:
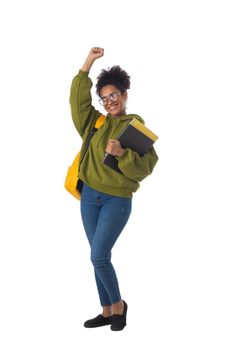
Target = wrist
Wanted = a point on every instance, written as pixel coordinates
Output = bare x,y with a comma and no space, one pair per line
88,64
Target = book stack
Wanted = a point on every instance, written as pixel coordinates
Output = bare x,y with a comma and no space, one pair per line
135,136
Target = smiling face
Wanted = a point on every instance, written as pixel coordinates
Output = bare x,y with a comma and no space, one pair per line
114,100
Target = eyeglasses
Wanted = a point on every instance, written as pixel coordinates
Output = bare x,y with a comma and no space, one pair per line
113,97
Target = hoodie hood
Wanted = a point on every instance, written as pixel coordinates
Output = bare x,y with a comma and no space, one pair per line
126,117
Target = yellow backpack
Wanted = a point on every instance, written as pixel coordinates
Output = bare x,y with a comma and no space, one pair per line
72,182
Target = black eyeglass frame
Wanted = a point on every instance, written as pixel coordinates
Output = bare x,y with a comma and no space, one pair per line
104,100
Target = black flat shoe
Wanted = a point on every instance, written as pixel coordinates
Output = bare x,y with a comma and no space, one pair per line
98,321
119,321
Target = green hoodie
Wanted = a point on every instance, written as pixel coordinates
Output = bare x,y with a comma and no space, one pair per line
92,171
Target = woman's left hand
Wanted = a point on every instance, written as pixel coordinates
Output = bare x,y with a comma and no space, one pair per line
114,148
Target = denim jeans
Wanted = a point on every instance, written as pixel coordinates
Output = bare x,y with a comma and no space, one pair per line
104,217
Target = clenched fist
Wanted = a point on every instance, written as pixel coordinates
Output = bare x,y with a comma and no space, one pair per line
95,52
114,148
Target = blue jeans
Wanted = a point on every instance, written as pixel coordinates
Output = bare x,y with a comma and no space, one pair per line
104,217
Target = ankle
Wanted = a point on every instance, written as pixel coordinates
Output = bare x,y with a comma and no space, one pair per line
118,308
107,311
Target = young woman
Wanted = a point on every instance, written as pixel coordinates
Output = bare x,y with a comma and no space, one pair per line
106,194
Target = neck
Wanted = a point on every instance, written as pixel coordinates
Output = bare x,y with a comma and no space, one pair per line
118,115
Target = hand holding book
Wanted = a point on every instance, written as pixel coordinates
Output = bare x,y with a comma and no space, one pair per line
135,136
114,148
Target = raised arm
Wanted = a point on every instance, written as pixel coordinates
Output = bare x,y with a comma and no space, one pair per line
83,113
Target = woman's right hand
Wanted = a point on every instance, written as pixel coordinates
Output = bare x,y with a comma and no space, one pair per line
96,52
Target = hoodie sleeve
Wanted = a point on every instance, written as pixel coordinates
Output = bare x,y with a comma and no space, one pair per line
136,168
83,113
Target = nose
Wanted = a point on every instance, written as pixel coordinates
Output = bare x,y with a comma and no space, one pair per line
109,102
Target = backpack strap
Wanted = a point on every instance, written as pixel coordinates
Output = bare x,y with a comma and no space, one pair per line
98,124
100,121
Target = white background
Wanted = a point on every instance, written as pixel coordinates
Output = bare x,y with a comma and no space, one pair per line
174,259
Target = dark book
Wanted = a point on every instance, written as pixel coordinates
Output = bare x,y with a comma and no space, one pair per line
135,136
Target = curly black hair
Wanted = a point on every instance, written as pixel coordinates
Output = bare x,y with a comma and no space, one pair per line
113,76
